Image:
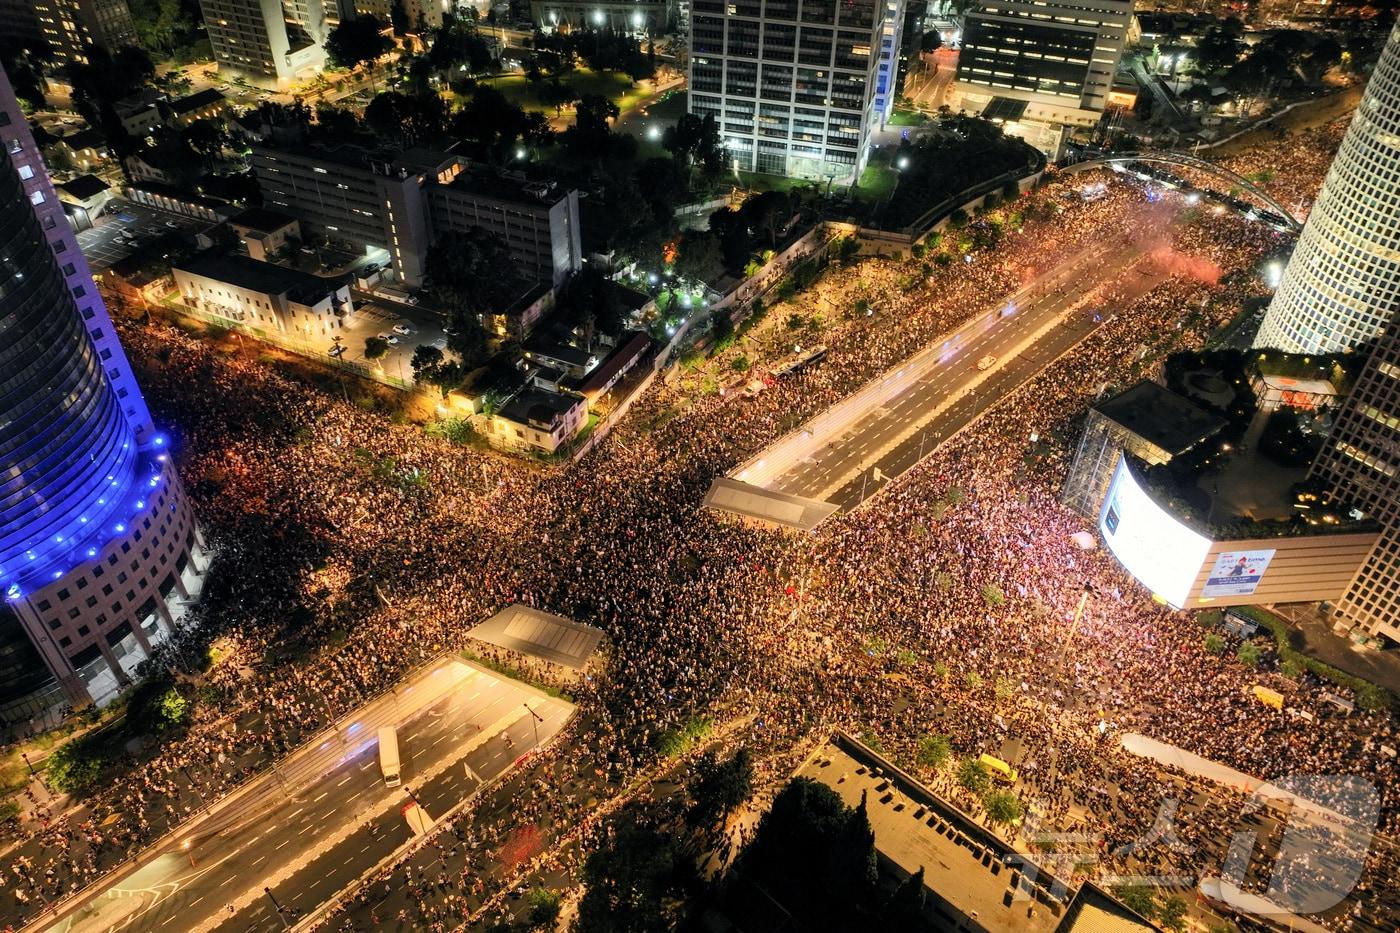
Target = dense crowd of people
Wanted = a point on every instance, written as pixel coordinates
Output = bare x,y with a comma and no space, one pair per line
350,548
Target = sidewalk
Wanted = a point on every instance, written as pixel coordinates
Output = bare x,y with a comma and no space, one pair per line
1315,637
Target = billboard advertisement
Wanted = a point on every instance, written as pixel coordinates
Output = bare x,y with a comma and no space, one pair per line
1237,573
1151,544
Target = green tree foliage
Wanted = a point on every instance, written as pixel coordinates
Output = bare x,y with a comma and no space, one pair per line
717,787
1248,655
933,750
993,596
544,908
358,40
590,136
409,118
930,41
627,883
458,44
376,348
1002,806
24,63
905,908
1213,643
973,776
1173,913
1219,47
1137,897
695,140
471,273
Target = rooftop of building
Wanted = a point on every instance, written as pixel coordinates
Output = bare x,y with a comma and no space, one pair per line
534,405
262,220
263,277
196,101
629,347
513,187
964,865
554,350
141,100
86,138
85,186
1161,417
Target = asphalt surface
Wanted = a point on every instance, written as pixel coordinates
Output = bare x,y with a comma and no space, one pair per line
99,244
951,393
310,829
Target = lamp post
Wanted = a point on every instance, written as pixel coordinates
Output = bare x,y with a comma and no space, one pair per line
280,914
535,721
1078,614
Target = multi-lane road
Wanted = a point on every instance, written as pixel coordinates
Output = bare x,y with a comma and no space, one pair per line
846,453
325,817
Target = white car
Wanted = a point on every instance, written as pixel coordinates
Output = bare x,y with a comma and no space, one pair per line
390,339
172,225
412,299
402,330
986,363
336,350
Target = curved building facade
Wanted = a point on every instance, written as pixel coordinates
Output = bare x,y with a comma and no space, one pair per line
1343,280
99,553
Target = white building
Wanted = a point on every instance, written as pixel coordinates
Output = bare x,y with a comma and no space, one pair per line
1041,69
1343,281
269,39
260,295
795,88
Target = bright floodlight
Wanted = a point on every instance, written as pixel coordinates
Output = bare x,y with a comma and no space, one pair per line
654,132
902,163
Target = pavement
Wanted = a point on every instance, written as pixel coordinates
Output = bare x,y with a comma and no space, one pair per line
928,88
317,822
845,454
99,244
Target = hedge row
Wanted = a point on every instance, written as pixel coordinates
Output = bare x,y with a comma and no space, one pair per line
1368,695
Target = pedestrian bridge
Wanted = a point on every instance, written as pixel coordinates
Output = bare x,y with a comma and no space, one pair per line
1184,160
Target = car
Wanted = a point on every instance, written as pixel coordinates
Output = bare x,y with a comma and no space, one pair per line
402,329
390,339
336,350
223,87
172,225
412,299
986,363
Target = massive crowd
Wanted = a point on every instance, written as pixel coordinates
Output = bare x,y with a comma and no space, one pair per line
350,548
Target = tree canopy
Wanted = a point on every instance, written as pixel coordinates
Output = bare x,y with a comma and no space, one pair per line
358,40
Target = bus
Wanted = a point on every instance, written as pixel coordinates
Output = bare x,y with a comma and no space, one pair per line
1000,771
389,755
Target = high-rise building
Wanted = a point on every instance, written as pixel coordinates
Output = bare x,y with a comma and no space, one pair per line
795,86
1361,465
98,548
1040,68
1343,281
71,26
271,39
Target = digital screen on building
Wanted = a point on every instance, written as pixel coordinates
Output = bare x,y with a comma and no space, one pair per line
1151,544
1237,573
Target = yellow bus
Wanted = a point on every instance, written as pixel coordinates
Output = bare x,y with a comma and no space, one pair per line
1000,771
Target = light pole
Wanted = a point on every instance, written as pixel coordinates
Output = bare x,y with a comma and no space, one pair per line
535,721
280,915
1078,613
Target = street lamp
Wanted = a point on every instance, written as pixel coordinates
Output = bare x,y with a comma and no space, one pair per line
535,721
282,916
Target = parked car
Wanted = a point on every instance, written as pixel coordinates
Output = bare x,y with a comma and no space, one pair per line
390,339
172,225
402,329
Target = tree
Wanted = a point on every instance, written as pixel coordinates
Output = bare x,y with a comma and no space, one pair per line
1214,643
905,908
933,751
1218,48
1173,913
206,138
376,348
930,41
1002,807
1248,655
718,787
699,258
626,882
590,134
357,41
544,908
973,776
1137,897
398,19
471,273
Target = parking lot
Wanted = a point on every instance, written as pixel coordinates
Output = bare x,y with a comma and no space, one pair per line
373,317
111,239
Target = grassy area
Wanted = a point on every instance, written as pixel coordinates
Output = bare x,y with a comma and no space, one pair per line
876,183
615,87
756,181
1368,695
505,670
907,118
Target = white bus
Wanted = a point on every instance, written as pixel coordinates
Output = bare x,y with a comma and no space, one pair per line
389,755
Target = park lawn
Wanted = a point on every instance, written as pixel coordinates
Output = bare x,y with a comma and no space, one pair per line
907,118
876,183
612,85
758,182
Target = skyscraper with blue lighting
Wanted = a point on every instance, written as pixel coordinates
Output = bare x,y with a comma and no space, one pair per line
99,553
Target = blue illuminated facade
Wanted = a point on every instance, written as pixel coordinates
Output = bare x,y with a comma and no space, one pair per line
96,540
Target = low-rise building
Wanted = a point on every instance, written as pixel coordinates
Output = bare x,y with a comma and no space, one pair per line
520,318
562,356
615,365
140,113
652,17
83,199
86,149
173,200
261,295
538,420
264,232
207,104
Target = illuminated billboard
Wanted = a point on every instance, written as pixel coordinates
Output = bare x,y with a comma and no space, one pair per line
1237,573
1153,545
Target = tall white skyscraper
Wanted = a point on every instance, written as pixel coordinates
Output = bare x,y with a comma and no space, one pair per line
1343,281
271,39
795,86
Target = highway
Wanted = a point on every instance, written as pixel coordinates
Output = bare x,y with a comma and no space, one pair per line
311,828
835,456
